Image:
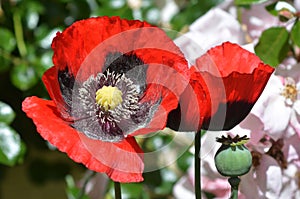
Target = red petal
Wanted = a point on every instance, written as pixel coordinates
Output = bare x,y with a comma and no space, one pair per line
73,46
83,48
85,45
121,161
222,60
52,85
227,81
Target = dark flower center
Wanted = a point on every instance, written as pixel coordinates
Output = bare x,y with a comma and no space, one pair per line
107,106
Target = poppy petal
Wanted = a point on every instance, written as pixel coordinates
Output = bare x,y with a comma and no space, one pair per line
236,79
72,46
107,157
76,50
84,55
52,85
227,82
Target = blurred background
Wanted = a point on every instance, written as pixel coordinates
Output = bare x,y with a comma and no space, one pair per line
29,166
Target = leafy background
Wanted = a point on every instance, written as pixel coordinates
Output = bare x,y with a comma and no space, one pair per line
32,168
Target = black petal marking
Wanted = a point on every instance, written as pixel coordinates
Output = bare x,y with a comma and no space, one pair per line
66,83
130,65
127,73
110,125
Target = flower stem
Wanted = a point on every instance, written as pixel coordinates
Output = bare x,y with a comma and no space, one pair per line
234,183
118,194
198,165
19,33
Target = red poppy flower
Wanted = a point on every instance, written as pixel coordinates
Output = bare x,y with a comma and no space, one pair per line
108,83
224,86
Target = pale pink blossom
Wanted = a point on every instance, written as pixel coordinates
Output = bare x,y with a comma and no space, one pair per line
257,19
279,105
213,28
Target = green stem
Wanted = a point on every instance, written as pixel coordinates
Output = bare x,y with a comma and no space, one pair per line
19,33
234,183
239,14
198,165
118,194
87,178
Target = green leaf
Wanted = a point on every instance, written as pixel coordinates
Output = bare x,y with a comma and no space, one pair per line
7,40
273,45
7,114
23,77
295,33
12,149
271,9
248,2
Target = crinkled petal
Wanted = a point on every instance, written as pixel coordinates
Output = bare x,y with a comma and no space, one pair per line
235,79
73,45
224,59
121,161
227,82
83,47
82,50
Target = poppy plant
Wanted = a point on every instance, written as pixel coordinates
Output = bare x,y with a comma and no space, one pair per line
227,81
108,84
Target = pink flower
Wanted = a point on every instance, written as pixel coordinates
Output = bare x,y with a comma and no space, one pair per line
222,25
257,19
278,108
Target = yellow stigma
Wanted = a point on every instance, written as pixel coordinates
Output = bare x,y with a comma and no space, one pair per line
108,97
290,91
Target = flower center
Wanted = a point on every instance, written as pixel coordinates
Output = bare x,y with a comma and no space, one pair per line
109,97
290,91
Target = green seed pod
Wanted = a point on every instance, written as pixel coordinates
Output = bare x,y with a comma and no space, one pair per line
233,158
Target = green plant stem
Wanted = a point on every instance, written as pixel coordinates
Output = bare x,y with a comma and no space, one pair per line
239,14
19,33
234,183
87,178
118,194
198,165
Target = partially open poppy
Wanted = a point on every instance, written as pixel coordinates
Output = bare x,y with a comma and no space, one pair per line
227,81
112,79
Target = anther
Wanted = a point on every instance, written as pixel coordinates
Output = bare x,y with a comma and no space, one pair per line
108,97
